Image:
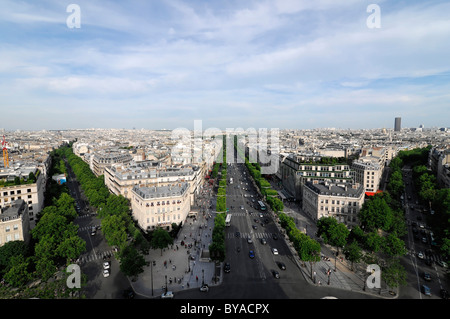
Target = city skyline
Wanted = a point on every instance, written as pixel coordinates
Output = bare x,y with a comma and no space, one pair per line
274,64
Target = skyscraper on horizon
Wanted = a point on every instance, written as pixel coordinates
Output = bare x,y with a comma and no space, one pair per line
398,124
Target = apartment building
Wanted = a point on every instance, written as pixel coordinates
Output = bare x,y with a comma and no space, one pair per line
14,222
101,160
121,179
31,192
160,206
368,172
439,163
340,200
296,170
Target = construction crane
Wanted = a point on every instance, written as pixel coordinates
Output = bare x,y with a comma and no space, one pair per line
5,153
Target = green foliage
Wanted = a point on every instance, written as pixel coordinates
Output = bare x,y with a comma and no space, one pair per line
217,247
375,214
161,239
131,262
18,274
8,251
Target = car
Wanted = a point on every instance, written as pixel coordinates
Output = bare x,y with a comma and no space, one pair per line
105,272
420,255
242,207
427,276
275,251
274,236
204,288
444,294
281,265
106,265
254,227
442,264
237,234
426,290
263,241
128,293
276,274
93,230
251,254
424,240
227,267
167,295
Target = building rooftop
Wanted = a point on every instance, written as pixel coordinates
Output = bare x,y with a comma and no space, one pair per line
14,211
161,191
341,189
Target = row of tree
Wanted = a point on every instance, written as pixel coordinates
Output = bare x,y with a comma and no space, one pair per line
117,224
54,243
270,195
217,247
307,248
435,198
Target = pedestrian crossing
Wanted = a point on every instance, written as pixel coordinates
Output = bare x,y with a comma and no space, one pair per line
257,235
88,227
96,256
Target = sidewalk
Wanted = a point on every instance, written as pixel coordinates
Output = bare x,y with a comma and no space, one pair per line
184,266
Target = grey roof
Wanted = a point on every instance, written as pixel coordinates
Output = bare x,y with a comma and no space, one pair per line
14,211
341,189
161,191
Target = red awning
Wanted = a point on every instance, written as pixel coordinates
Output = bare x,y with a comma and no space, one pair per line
373,194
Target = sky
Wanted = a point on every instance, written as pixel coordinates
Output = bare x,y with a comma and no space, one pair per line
230,64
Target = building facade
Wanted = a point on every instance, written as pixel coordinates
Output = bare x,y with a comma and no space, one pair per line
295,172
31,193
342,201
160,206
14,222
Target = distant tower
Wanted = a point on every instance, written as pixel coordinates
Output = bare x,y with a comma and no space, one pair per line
398,124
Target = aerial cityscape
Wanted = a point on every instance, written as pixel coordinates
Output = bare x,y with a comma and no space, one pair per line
195,150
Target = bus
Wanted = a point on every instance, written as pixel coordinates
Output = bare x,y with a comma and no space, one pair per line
261,205
228,220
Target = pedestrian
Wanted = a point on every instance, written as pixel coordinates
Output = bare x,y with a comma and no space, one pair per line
196,278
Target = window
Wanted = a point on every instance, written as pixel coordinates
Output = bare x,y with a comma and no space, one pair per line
29,190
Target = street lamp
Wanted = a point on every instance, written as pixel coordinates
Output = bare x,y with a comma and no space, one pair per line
203,275
151,274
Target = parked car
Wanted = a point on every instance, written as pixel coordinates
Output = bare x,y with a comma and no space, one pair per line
227,267
442,264
106,265
426,290
276,274
167,295
105,273
281,265
204,288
